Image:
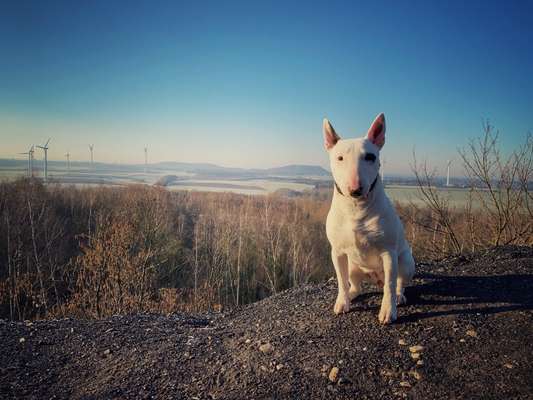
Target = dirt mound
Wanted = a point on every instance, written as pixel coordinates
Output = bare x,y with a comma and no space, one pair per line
471,318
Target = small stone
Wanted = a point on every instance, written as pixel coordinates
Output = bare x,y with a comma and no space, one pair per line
107,352
471,333
279,366
415,374
247,341
508,365
462,340
405,384
71,330
343,381
416,349
266,348
402,342
334,374
324,368
415,356
420,363
22,340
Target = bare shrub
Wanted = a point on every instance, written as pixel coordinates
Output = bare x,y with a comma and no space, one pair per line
501,185
32,232
498,210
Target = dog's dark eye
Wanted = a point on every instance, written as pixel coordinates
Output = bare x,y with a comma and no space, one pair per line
339,158
370,157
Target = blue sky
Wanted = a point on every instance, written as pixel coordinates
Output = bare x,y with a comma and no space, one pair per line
248,83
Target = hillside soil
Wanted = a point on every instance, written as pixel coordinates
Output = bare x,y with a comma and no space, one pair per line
466,333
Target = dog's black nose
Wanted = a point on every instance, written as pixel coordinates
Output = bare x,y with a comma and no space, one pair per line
356,192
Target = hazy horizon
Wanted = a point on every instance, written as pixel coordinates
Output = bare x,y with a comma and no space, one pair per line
247,85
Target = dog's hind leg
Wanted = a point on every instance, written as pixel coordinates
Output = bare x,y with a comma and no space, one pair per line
406,271
356,277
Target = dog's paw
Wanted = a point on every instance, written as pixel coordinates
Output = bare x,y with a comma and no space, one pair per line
387,313
401,299
354,292
342,305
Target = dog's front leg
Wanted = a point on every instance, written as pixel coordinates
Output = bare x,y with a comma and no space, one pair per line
387,313
340,261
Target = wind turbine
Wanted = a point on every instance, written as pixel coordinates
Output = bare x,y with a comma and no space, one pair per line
448,173
30,157
145,160
45,148
31,160
68,162
91,147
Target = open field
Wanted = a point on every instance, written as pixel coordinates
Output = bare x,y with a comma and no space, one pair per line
238,182
407,194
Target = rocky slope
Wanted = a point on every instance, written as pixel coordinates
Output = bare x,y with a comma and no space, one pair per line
466,333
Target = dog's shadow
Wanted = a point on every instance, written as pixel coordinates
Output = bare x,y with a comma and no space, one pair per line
436,295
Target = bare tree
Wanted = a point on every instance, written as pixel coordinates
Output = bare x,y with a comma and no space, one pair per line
498,210
501,185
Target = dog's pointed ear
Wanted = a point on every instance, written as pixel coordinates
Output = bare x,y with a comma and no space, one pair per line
376,133
330,136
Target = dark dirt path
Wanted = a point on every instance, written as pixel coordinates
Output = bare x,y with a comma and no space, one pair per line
472,315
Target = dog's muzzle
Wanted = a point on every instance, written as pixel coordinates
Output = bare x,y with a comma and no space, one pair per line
358,192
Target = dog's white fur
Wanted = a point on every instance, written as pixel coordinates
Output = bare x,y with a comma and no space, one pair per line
366,236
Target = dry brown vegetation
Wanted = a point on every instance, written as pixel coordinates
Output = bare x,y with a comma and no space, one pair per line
101,251
499,210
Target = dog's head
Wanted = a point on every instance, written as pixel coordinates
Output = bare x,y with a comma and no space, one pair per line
355,162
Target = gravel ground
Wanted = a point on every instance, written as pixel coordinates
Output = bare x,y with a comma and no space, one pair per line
466,333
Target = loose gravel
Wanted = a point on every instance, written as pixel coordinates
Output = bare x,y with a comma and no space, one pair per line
466,333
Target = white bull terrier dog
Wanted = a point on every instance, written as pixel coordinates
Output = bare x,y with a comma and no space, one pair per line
366,236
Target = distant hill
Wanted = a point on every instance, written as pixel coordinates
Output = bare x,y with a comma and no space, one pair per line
298,170
213,169
198,169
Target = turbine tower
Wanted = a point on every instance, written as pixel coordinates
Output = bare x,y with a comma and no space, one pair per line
448,173
31,161
91,147
45,148
145,160
30,158
68,162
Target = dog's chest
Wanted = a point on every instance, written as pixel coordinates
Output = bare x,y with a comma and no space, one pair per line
360,240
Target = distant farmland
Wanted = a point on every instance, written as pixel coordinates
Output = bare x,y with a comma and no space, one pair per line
206,177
